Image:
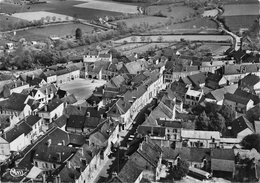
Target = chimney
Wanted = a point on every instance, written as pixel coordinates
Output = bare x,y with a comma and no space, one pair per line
81,151
59,156
32,76
88,114
46,108
63,142
49,142
101,116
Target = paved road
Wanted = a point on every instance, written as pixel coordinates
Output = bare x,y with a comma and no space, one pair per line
119,154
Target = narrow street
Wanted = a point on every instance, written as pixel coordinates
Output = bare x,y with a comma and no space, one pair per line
119,154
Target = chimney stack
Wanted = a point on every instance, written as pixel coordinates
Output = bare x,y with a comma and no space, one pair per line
46,108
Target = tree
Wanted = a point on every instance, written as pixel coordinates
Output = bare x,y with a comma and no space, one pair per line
160,39
48,18
202,122
251,141
133,39
78,34
54,18
217,122
142,38
179,171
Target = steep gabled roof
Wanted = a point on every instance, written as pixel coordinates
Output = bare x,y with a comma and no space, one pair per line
236,98
241,124
150,152
16,102
250,80
130,172
32,119
16,131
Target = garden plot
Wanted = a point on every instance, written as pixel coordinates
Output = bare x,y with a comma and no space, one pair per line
109,6
38,15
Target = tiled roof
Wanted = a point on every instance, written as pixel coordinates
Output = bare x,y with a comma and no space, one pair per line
75,121
32,119
247,95
250,80
53,153
151,130
16,131
61,121
223,154
240,68
48,89
236,98
70,99
150,152
34,81
197,134
16,102
92,122
241,124
169,123
198,79
130,172
15,84
117,80
52,105
49,73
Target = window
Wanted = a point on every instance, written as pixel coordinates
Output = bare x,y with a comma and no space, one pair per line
46,165
36,163
54,166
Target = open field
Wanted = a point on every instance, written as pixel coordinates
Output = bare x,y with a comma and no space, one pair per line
194,24
216,49
234,23
66,8
31,16
108,6
52,30
177,12
173,38
146,47
82,88
151,20
210,13
6,21
241,9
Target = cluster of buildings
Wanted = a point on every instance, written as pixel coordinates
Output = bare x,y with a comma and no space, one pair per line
47,136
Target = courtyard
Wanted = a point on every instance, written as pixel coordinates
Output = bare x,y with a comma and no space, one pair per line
82,88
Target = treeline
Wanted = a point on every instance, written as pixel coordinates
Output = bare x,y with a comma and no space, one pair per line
30,59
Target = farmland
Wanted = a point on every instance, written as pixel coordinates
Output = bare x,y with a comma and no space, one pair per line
177,12
66,8
216,49
53,30
173,38
193,24
238,16
6,21
241,9
234,23
108,6
147,19
146,47
31,16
